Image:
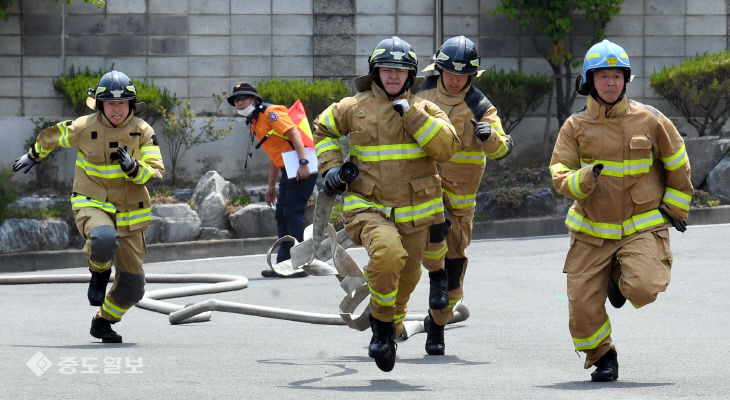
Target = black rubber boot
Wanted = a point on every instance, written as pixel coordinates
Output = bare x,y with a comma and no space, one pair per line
382,345
438,297
97,287
435,345
606,368
102,329
615,297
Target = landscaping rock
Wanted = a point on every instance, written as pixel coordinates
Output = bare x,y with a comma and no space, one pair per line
179,222
516,202
254,220
18,235
183,194
718,181
704,153
36,202
208,233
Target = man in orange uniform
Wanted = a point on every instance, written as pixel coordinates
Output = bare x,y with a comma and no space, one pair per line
277,133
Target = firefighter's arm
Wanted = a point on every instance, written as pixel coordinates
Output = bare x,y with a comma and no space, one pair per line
671,150
328,128
569,178
498,145
149,165
46,141
432,130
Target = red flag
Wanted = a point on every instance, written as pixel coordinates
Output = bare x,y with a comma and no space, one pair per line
299,117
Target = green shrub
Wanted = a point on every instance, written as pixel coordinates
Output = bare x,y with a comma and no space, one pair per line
7,194
698,88
512,93
74,86
316,96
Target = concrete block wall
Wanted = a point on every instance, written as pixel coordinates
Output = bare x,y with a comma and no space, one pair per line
200,48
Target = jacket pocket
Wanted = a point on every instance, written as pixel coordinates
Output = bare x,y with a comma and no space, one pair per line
640,153
362,185
425,188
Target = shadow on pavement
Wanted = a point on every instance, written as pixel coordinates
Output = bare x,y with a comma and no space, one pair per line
588,385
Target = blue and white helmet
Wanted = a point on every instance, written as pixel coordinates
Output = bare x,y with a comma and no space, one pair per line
605,54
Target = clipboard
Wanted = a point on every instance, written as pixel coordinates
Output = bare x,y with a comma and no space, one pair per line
291,162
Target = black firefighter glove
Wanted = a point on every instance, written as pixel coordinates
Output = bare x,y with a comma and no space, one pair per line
24,161
126,161
332,183
401,106
482,130
597,169
678,224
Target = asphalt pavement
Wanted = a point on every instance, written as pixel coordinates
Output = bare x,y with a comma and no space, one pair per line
516,343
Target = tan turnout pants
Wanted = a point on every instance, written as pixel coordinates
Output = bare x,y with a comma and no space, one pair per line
641,265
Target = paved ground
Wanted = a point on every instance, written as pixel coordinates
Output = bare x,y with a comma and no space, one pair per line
515,345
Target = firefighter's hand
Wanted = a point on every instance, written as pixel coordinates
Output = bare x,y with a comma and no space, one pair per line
482,130
597,169
679,225
23,161
332,183
126,161
401,106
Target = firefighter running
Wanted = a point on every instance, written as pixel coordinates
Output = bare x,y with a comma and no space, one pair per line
480,132
117,155
396,139
626,167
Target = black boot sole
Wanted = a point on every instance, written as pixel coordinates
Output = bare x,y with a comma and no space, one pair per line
603,377
615,297
386,364
105,337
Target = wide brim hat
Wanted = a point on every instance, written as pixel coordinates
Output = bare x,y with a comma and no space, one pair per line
243,88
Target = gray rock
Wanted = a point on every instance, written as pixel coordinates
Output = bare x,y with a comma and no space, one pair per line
209,183
18,235
704,153
183,194
718,181
257,194
212,211
516,202
36,202
208,233
180,223
154,231
254,220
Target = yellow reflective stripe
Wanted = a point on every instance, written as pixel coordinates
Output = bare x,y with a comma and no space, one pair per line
63,139
275,133
427,131
388,152
497,128
642,221
631,225
114,309
327,144
327,119
144,174
620,169
582,224
383,299
101,267
419,211
500,152
436,254
452,302
398,318
150,153
461,201
574,185
559,167
676,160
82,201
134,217
469,157
353,202
677,198
42,153
595,339
101,171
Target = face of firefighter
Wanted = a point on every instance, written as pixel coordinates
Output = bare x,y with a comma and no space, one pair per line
453,82
609,84
393,79
244,105
116,111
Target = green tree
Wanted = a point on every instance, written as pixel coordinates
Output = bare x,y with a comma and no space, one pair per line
699,88
180,133
550,25
5,4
